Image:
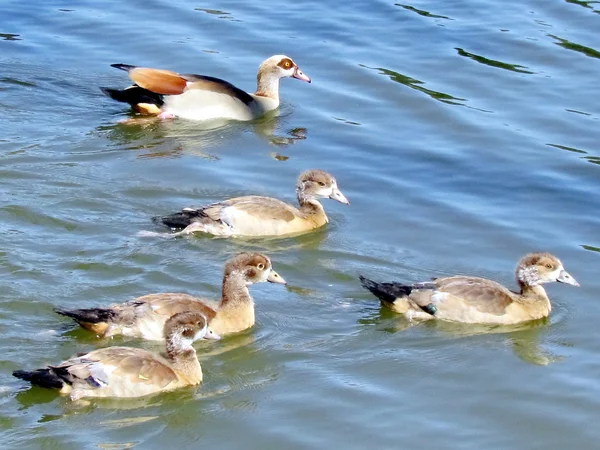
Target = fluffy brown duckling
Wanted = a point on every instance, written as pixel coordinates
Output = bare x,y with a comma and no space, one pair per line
198,97
145,317
477,300
128,372
262,216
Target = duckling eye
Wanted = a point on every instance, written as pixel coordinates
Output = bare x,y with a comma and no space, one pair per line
548,266
260,266
321,183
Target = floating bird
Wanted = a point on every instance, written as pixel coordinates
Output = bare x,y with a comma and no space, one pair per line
130,372
262,216
198,97
477,300
145,317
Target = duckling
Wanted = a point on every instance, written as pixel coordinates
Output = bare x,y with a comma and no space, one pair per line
262,216
477,300
145,317
128,372
198,97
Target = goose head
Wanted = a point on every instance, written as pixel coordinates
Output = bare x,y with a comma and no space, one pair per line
538,268
315,184
253,267
184,328
272,70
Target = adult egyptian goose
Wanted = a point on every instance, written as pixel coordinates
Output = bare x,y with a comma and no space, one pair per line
477,300
130,372
198,97
145,317
262,216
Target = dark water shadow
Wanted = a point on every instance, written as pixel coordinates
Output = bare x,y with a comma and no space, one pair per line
422,12
587,51
585,4
590,248
10,37
492,62
417,85
591,159
218,14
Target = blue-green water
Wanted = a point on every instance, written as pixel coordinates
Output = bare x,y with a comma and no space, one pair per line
465,134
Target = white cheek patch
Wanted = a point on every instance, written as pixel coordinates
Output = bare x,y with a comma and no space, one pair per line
555,274
264,275
325,192
180,342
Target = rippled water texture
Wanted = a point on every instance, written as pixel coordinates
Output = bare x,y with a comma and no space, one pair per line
465,134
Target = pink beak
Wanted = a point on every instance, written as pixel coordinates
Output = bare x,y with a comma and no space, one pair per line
298,74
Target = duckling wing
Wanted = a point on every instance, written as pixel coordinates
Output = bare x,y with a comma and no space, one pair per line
120,368
261,216
167,304
260,208
485,296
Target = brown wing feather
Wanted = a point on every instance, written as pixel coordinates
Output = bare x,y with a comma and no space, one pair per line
139,366
168,304
159,81
484,295
264,208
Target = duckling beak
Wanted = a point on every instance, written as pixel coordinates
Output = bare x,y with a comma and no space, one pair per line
565,277
274,277
337,195
211,335
300,75
206,333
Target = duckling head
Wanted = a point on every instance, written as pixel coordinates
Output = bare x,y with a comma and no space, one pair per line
538,268
280,66
317,184
184,328
254,267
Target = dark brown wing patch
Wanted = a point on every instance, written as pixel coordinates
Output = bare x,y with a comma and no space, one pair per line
217,85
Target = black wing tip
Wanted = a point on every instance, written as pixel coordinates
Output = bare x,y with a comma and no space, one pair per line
126,67
115,94
366,283
90,315
40,377
22,374
63,311
178,220
387,292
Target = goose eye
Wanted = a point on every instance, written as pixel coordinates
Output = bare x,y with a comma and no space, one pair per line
548,266
260,266
321,183
287,64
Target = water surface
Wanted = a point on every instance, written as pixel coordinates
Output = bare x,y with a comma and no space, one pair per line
465,134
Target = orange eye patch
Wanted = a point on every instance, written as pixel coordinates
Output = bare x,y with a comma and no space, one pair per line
286,63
